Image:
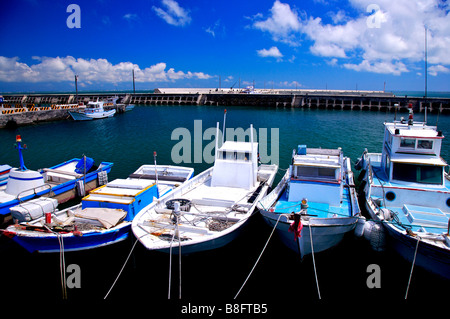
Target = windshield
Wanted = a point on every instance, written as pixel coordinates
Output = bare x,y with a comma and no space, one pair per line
425,174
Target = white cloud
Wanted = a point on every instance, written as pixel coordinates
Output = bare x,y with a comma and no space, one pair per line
217,28
172,13
131,17
435,69
395,68
49,69
282,24
389,39
272,52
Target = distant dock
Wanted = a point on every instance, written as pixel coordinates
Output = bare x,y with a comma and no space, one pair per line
23,109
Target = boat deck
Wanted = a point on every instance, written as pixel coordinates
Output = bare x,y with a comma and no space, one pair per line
421,219
206,198
322,210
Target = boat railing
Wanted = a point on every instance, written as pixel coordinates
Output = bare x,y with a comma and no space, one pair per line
267,201
369,176
180,191
42,187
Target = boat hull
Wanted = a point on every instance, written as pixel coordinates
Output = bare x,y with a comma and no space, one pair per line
326,233
429,257
211,244
50,243
79,116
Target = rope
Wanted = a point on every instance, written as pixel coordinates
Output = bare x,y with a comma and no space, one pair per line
314,261
412,267
62,262
254,266
179,260
120,272
62,266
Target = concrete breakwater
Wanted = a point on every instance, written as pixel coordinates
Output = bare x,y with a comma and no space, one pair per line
23,109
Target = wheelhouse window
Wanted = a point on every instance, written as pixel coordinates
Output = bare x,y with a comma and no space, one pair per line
425,144
316,172
407,143
234,155
424,174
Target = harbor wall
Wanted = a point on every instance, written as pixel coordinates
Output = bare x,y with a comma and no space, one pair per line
25,109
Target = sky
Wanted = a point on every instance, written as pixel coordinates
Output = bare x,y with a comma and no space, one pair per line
308,44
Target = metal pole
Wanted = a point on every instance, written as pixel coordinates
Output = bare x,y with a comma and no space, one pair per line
426,62
76,88
134,88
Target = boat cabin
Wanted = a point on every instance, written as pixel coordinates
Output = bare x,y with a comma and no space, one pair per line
93,107
411,153
316,174
236,165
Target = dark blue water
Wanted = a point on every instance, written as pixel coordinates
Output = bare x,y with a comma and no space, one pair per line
129,140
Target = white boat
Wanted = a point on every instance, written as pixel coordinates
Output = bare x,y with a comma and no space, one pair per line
104,216
315,204
407,190
92,111
211,209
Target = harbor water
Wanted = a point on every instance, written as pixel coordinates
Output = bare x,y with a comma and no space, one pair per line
212,277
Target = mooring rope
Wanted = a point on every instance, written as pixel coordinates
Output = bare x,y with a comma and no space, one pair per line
176,230
62,262
314,261
120,272
412,267
254,266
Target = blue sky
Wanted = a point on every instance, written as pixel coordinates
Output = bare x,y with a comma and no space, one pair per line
282,44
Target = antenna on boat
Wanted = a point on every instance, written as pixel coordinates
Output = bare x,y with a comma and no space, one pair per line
425,120
20,148
223,130
411,115
251,152
156,169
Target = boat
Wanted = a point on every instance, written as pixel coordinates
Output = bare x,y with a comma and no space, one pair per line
4,174
129,107
315,203
63,181
407,190
103,217
211,209
92,111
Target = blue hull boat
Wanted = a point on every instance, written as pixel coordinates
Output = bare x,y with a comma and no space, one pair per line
315,203
61,181
4,174
407,191
104,217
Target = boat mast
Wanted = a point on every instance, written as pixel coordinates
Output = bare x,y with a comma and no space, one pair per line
156,171
426,61
20,148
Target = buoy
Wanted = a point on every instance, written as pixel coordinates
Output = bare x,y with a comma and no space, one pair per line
374,233
386,213
81,190
359,229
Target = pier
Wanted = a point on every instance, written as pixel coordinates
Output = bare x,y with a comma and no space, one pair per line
24,109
